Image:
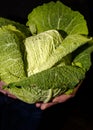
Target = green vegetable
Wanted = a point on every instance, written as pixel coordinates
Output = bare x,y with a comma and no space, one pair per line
50,60
46,49
11,61
83,57
47,84
56,15
19,26
39,49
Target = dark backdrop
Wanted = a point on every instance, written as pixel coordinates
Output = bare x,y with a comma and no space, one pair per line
19,9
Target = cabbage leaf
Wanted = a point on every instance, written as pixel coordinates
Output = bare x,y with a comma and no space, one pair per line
47,84
11,61
21,27
56,15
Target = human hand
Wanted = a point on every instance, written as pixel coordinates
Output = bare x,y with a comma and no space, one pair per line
5,92
59,99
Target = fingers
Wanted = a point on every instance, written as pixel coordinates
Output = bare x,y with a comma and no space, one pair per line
62,98
1,90
5,92
76,89
43,106
1,84
55,101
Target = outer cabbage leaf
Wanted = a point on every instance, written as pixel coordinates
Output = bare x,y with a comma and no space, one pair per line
82,56
11,57
24,29
47,84
56,15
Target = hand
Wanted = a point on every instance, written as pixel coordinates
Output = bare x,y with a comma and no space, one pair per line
5,92
60,99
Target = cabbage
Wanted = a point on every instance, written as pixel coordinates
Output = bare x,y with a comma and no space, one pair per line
53,59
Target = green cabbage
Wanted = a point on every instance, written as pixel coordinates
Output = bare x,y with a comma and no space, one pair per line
53,59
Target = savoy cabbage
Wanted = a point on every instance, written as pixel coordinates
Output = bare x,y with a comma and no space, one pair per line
51,59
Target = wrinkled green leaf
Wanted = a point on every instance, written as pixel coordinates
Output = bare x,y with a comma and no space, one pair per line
83,57
56,15
48,48
11,58
47,84
23,28
39,49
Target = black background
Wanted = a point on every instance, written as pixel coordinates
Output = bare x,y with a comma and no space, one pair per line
77,113
18,10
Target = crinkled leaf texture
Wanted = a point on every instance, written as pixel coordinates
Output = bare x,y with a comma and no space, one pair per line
56,15
46,49
39,49
23,28
11,61
47,84
82,56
